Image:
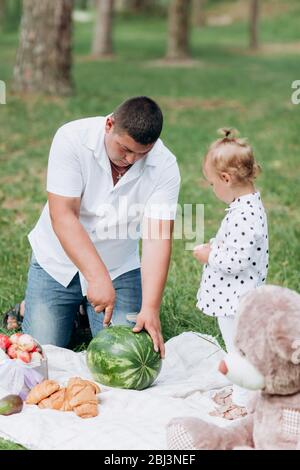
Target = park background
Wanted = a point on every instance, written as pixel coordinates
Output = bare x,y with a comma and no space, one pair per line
221,63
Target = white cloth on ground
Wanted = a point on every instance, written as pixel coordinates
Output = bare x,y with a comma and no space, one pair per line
127,419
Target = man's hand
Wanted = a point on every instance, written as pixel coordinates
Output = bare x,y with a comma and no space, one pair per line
101,295
201,252
150,322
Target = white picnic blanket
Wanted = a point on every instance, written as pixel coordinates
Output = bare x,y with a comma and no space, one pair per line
127,419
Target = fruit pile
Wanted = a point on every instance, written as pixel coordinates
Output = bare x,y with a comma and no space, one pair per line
21,346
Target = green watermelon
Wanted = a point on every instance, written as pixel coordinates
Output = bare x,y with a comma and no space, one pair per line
117,357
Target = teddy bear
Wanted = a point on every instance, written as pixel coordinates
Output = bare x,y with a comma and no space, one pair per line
267,358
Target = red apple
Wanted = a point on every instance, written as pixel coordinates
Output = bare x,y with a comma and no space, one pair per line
12,351
14,339
4,342
23,356
26,342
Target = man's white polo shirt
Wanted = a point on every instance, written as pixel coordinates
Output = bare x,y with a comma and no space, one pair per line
112,215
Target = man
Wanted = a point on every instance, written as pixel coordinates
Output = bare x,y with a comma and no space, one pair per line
86,242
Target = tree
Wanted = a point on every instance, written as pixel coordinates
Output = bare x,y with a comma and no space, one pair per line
44,57
254,14
178,29
102,43
198,13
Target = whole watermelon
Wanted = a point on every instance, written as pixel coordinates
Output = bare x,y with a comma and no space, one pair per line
117,357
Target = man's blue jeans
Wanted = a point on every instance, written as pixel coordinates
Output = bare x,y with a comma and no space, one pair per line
50,308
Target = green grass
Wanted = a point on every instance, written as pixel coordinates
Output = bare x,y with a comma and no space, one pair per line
226,86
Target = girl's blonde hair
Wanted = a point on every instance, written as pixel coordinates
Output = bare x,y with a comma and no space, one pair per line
234,156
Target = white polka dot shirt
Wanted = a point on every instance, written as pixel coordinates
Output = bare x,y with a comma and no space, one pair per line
238,261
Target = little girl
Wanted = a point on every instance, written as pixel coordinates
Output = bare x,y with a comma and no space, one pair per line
236,260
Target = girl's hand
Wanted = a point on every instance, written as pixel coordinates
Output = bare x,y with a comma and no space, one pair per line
201,252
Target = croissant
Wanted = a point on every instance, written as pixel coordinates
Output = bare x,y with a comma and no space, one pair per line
80,391
56,401
41,391
79,396
95,386
79,381
86,410
84,396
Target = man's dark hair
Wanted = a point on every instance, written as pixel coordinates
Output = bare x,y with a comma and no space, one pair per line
141,118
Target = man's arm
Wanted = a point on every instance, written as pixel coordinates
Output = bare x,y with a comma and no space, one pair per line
156,253
64,213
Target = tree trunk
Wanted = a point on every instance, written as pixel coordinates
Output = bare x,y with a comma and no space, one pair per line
102,43
44,58
254,13
198,13
178,30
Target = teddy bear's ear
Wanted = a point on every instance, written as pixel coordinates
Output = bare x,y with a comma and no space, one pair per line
284,335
